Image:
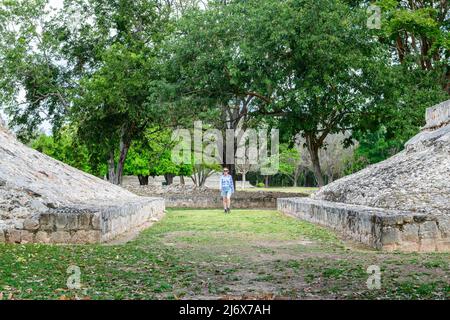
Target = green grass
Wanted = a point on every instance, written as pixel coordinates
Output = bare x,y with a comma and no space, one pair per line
204,253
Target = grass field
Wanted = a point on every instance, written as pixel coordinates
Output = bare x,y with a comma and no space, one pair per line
206,254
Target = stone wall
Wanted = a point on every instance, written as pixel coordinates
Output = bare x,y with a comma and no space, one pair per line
45,200
240,200
84,225
438,115
383,229
177,196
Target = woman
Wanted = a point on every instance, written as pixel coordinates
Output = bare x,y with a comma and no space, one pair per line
226,189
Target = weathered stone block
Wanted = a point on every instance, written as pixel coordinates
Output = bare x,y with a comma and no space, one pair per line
47,222
26,236
31,224
444,226
13,236
410,233
18,225
428,230
390,235
79,236
93,236
42,237
96,221
408,246
60,237
61,221
427,245
443,245
84,221
72,222
2,236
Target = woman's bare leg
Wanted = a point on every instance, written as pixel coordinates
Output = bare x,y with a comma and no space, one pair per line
224,199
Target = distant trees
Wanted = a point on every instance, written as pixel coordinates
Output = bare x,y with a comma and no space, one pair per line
66,148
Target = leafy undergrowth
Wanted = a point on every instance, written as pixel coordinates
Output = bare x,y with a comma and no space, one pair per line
207,254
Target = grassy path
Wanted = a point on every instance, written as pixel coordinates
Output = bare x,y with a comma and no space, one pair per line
206,254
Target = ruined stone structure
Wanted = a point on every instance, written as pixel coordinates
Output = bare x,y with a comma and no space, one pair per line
402,203
178,196
44,200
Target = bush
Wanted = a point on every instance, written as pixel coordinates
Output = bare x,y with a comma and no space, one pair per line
260,185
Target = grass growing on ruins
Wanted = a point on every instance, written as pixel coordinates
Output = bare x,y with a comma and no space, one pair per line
206,254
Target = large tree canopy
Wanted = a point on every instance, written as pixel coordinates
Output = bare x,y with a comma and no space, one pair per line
114,70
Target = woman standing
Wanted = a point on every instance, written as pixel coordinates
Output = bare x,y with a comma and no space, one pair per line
226,189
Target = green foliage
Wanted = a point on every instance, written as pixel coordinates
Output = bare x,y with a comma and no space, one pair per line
66,149
289,159
306,66
260,185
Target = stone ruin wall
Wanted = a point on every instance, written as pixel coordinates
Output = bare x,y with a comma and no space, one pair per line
46,201
402,203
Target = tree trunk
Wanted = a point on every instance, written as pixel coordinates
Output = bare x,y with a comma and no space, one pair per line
313,149
143,180
111,168
266,181
124,147
182,182
169,178
243,180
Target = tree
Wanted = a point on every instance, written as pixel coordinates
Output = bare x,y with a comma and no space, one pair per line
218,67
418,31
290,162
101,72
66,149
332,67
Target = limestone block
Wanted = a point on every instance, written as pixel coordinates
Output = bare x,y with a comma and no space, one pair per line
2,236
443,245
427,245
93,236
60,237
14,236
410,233
444,226
26,236
406,246
31,224
47,222
84,221
428,230
80,236
96,221
61,221
72,222
390,236
41,237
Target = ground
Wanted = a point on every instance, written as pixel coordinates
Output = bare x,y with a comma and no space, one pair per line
207,254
